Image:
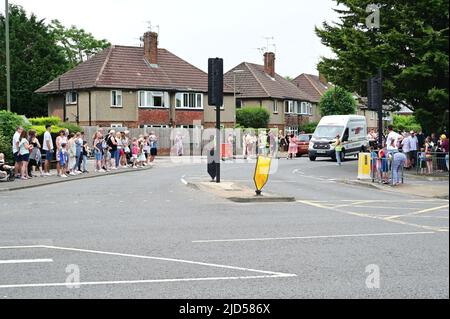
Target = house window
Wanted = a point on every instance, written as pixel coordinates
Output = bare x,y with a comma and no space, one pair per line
154,126
372,116
71,97
304,108
310,109
275,107
189,100
239,104
116,125
116,98
289,107
152,99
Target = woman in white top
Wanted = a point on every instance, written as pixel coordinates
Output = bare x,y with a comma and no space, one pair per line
24,154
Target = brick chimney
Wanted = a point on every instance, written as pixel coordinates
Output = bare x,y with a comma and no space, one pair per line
151,47
269,63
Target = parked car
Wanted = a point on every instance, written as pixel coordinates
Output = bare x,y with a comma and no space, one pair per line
303,144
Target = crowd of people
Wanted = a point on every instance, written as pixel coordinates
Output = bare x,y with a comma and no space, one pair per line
403,150
71,151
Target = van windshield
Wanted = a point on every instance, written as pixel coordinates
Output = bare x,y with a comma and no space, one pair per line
328,132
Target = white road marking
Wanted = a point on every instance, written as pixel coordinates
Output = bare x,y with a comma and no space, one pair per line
312,237
25,261
429,210
130,282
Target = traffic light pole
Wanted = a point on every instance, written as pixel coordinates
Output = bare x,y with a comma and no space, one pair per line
218,136
380,108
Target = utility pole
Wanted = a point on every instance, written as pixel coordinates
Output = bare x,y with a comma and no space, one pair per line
8,62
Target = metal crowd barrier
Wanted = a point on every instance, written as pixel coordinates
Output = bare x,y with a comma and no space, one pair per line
382,171
432,163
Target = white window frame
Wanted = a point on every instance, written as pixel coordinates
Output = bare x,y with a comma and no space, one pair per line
275,107
116,125
289,107
310,109
148,102
185,104
69,96
304,108
119,96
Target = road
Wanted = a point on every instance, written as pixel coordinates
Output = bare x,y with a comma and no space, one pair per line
146,235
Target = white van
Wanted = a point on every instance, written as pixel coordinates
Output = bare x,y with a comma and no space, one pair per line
351,128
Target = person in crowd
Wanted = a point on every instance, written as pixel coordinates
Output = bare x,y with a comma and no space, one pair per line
272,143
48,149
383,156
153,146
429,148
372,137
338,148
5,170
72,152
414,145
97,145
135,152
399,161
421,139
35,161
24,155
123,146
60,169
85,153
434,139
146,150
112,147
179,145
293,147
141,155
119,150
15,148
392,140
282,142
63,158
406,149
422,161
262,143
79,151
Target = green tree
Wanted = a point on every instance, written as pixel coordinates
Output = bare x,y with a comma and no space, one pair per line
77,44
337,101
253,117
411,46
406,123
35,61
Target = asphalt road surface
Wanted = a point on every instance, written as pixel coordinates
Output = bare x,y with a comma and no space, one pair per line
147,235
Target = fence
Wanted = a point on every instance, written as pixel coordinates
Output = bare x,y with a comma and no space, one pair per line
432,163
382,171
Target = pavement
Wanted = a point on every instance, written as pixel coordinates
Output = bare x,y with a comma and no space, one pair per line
145,234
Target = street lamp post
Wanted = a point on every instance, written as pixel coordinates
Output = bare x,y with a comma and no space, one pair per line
8,63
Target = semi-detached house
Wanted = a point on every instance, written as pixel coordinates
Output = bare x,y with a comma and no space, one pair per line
125,86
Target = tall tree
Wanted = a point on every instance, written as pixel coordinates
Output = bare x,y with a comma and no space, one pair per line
36,59
337,101
411,46
78,45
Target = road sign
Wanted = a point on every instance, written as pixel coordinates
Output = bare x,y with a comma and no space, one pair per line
262,172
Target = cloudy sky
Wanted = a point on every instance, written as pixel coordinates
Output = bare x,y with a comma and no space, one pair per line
198,29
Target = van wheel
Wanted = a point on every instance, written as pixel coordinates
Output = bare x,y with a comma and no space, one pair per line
312,158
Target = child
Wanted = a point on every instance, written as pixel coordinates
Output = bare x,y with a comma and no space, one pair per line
141,157
135,152
422,161
384,165
63,158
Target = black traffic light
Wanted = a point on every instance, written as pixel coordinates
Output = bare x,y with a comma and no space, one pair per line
375,100
215,82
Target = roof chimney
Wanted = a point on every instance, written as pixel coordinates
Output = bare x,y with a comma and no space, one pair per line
151,47
269,63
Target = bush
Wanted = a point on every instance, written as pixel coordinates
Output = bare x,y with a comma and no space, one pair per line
71,127
308,128
253,117
43,121
9,122
406,123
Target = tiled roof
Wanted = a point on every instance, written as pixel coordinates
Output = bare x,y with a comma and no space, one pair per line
253,82
124,67
312,86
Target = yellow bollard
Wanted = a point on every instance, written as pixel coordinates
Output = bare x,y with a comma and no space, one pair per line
262,172
364,167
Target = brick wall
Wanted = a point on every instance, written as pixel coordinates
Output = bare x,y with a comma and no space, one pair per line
153,116
187,117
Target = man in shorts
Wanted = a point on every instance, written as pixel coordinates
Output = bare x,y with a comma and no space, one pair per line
48,148
15,147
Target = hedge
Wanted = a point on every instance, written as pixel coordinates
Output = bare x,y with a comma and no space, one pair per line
253,117
43,121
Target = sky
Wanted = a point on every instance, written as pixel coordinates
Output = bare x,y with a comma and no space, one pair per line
196,30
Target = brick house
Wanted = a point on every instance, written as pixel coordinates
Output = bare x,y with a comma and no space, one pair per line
316,86
260,85
125,86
